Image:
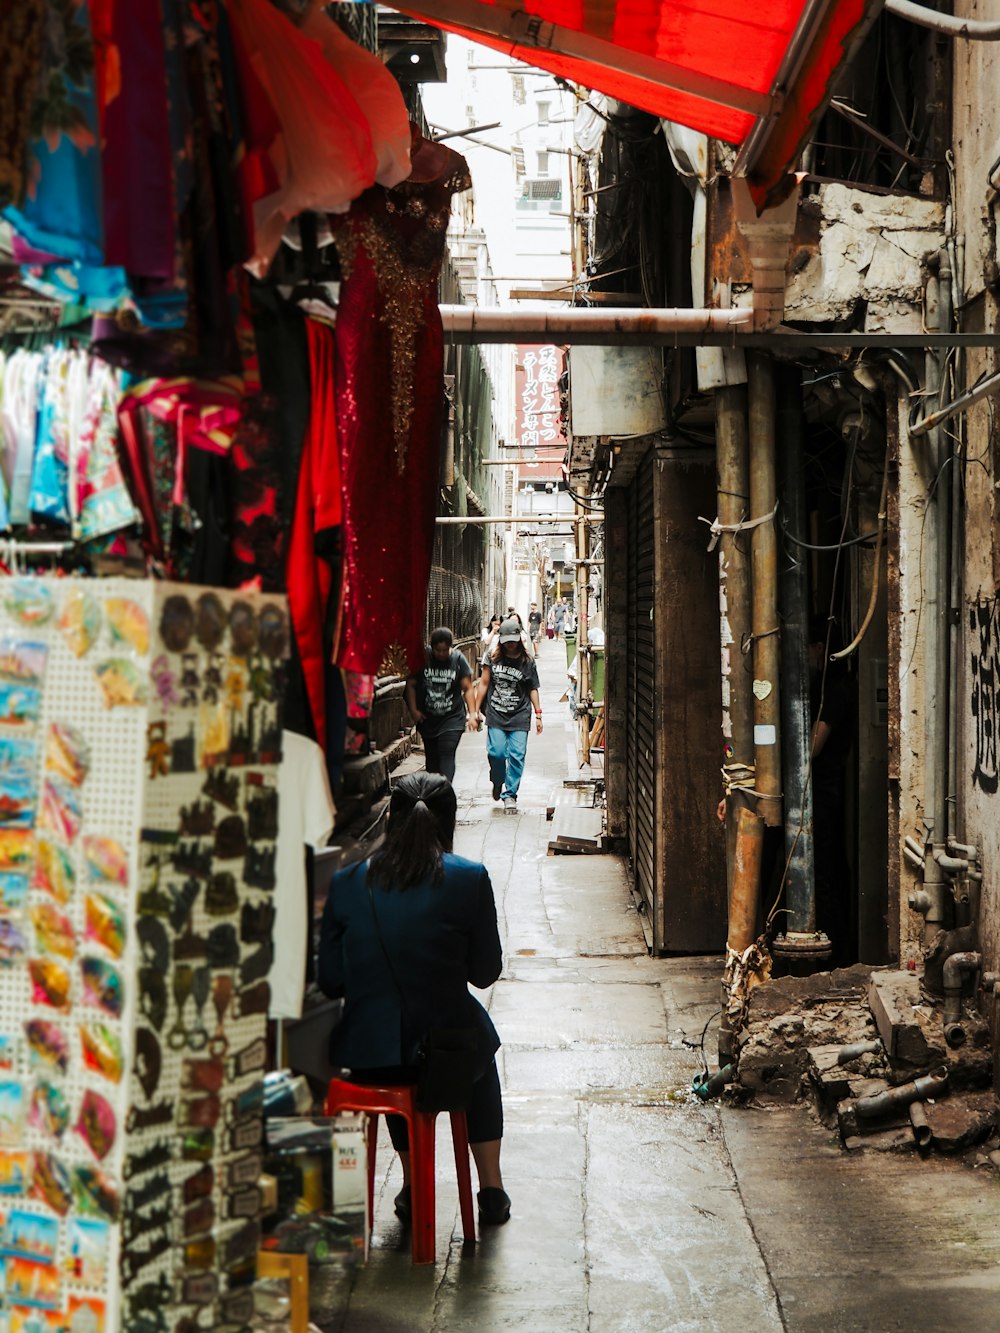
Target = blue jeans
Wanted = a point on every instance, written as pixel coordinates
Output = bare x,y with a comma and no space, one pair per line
505,751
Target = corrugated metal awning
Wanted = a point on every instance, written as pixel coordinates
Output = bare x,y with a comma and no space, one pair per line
757,76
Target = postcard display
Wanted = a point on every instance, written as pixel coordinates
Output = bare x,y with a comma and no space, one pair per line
139,744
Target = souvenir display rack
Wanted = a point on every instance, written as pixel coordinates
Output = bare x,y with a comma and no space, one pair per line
139,744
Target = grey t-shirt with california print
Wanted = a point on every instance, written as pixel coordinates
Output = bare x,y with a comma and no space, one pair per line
439,693
508,699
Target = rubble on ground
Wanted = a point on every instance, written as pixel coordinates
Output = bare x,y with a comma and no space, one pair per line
839,1037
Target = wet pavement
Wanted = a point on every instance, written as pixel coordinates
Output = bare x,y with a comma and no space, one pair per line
635,1206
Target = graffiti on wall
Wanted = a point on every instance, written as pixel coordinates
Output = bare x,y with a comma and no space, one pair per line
985,676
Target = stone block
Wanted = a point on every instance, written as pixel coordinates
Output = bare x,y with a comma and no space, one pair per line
366,775
771,1075
785,994
893,997
884,1140
959,1122
835,1081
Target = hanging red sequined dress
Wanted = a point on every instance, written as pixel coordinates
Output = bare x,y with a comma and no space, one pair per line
389,394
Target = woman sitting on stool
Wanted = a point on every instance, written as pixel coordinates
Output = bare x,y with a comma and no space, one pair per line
437,920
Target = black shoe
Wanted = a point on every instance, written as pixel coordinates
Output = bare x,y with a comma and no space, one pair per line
497,789
494,1206
403,1206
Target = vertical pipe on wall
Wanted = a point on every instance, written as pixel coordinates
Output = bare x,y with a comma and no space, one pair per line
764,565
796,728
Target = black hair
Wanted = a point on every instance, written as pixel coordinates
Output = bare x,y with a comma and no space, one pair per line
421,828
442,635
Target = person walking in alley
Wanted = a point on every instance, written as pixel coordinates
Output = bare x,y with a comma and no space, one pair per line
442,702
404,935
559,618
509,686
534,623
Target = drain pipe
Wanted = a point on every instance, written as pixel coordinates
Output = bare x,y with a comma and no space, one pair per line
921,1128
894,1099
814,948
956,966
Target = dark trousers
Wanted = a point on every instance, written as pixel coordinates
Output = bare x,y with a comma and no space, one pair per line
484,1116
439,753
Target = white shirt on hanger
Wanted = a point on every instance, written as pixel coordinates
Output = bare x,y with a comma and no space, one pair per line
306,815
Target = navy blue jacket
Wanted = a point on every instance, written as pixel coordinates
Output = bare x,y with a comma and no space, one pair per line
440,938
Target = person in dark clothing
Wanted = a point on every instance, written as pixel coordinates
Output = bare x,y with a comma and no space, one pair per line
442,702
535,623
404,935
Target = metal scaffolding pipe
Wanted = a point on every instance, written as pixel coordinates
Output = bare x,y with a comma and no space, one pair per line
518,325
981,30
518,520
764,617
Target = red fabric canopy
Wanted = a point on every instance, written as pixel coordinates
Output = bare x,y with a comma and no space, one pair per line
754,75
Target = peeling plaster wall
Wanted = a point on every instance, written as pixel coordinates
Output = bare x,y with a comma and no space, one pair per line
870,249
976,139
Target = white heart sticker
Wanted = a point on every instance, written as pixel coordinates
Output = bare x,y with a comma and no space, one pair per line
761,688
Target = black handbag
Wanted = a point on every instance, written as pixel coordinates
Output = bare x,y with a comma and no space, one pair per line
447,1057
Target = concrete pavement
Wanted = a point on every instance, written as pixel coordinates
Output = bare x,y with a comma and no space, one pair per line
635,1206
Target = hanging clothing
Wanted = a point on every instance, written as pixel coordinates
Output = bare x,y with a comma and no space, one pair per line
61,208
21,22
318,168
390,409
317,516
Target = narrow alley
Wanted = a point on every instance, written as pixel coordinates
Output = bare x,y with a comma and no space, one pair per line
636,1206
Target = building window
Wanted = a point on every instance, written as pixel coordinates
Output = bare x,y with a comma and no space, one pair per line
543,163
543,112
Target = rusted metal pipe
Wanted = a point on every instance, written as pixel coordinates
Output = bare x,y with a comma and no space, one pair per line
476,321
764,617
955,967
894,1099
745,894
918,1120
857,1048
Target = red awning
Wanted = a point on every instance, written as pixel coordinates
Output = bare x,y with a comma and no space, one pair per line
755,75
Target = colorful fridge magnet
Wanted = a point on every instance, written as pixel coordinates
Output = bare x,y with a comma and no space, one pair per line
157,750
60,810
210,621
67,754
17,849
8,1050
15,1173
49,1109
121,682
104,924
52,1183
29,601
54,931
26,1319
18,781
23,662
32,1284
213,734
272,632
242,628
50,983
128,623
165,682
80,621
176,623
102,1052
102,986
96,1124
47,1047
30,1236
106,860
86,1313
94,1193
54,872
88,1242
12,1112
19,704
13,941
13,890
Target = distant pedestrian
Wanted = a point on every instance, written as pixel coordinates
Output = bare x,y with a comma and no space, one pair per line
509,686
550,623
442,702
491,630
559,618
569,624
529,647
534,623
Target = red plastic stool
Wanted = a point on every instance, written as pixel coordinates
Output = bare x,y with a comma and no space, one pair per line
400,1100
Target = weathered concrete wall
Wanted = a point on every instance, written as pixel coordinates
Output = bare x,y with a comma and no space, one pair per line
870,249
976,137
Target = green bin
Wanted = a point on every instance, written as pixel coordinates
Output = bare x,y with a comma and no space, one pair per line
597,674
570,648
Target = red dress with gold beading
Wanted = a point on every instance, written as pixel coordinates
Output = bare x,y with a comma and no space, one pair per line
390,398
